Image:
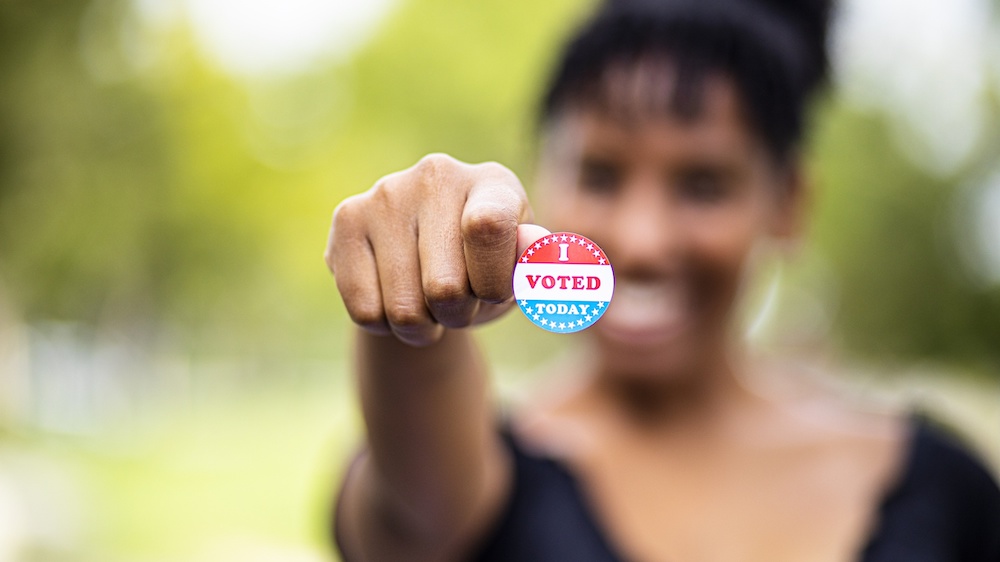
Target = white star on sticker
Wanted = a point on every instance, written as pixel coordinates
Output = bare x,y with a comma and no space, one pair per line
535,317
600,305
597,254
563,237
545,322
562,325
524,259
531,252
572,238
587,318
602,261
524,303
545,241
579,322
581,241
590,246
538,246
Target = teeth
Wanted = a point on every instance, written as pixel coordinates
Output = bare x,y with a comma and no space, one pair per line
645,290
647,305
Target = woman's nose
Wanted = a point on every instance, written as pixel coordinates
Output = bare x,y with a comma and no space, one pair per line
643,230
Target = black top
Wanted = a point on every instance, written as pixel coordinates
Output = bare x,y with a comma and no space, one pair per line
945,507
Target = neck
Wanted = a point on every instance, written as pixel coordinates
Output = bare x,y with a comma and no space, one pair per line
697,397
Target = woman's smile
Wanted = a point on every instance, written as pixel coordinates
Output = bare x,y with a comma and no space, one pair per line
647,313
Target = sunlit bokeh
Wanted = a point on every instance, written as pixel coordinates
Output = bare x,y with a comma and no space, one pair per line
927,65
272,37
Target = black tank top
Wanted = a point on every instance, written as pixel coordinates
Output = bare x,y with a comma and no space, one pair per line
945,507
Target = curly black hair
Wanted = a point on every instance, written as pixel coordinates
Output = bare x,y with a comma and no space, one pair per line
774,51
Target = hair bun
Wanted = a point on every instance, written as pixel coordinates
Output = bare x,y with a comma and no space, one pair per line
808,20
774,51
811,20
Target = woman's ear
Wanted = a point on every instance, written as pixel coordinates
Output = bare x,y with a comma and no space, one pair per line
792,199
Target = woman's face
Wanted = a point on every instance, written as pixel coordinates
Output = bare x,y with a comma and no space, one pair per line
677,205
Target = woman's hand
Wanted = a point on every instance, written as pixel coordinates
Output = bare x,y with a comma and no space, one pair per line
430,247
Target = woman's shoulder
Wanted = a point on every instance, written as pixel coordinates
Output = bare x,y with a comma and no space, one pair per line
940,454
945,504
545,516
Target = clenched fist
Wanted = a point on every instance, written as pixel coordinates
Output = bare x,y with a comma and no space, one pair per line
430,247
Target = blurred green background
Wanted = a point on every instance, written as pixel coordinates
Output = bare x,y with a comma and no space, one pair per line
173,380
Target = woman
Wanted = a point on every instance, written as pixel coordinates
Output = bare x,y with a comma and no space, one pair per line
671,137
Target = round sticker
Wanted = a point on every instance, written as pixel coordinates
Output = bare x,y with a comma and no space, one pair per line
563,282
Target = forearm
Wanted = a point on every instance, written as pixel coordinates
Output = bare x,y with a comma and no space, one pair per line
430,425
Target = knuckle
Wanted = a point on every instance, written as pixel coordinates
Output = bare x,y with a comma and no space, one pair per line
434,163
406,315
362,306
393,194
394,201
347,213
491,223
499,171
365,314
367,318
438,174
446,290
388,184
504,182
384,188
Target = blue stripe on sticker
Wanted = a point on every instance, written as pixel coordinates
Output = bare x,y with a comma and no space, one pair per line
562,317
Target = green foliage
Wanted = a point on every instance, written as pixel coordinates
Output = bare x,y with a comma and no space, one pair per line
82,165
887,230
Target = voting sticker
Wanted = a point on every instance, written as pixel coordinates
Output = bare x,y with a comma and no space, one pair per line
563,282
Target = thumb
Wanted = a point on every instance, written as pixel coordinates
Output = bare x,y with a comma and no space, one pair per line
527,234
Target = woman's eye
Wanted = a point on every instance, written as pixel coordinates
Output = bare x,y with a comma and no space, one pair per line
703,186
599,178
